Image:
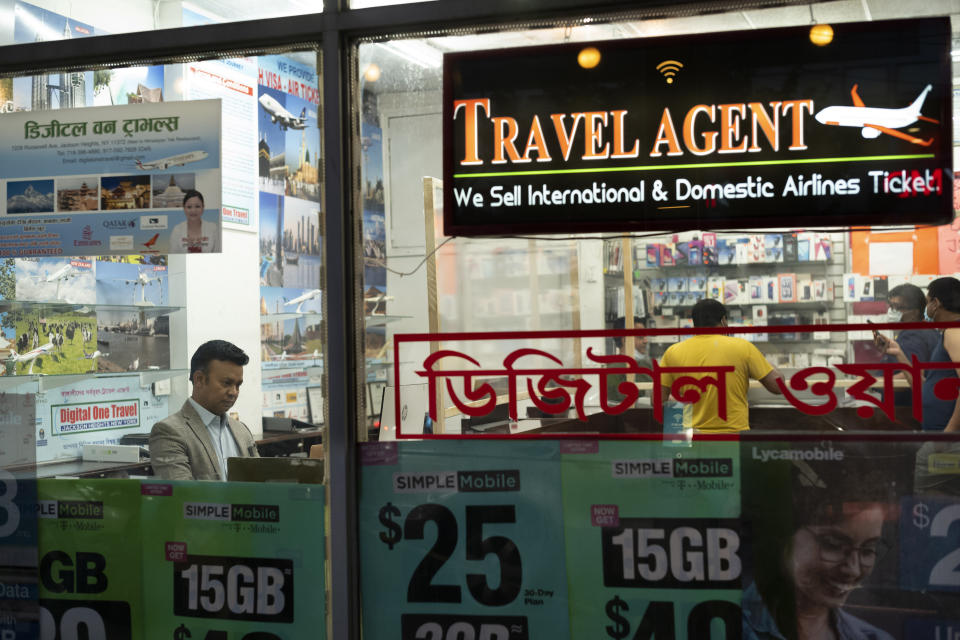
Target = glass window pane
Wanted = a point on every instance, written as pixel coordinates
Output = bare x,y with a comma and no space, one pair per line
266,188
422,282
43,21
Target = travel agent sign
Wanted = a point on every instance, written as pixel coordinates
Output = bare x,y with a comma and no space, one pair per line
735,129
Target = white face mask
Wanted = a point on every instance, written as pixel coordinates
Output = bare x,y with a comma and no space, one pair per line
893,315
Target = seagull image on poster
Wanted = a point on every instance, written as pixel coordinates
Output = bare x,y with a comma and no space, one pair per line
873,121
172,161
279,115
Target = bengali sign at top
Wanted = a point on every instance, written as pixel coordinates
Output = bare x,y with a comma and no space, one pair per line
707,131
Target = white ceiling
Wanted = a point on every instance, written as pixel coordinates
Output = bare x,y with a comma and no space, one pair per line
399,72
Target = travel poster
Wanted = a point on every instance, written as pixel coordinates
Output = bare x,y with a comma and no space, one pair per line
289,148
104,180
94,411
234,82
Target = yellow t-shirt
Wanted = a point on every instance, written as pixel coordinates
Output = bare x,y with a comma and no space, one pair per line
712,351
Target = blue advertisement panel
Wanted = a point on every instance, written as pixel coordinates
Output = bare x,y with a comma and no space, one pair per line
19,604
462,544
138,178
850,538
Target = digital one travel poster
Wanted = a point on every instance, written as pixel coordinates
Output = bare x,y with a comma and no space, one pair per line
111,180
234,560
652,539
94,411
462,542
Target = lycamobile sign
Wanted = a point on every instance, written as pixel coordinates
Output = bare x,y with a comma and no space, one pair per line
710,131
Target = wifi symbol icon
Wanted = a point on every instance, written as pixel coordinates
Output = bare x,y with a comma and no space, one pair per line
669,69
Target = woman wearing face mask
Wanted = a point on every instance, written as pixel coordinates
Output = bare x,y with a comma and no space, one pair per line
943,305
906,303
807,569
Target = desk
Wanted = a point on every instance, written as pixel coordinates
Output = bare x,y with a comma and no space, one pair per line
762,418
284,443
87,469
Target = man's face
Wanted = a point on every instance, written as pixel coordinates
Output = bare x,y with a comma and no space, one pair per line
217,388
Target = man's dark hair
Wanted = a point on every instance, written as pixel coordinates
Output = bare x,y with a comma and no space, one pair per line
911,294
192,193
708,313
216,350
621,323
947,291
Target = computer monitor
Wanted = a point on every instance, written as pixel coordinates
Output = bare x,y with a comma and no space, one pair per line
413,411
315,404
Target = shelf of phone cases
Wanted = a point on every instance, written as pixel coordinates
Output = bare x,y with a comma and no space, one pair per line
55,308
41,382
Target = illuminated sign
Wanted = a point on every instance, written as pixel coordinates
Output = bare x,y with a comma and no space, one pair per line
758,129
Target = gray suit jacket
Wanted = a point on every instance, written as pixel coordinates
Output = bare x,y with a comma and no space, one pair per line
181,448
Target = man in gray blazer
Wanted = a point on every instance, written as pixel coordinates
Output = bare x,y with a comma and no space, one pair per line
195,442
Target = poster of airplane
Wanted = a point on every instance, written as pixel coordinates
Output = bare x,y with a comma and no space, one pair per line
56,280
120,283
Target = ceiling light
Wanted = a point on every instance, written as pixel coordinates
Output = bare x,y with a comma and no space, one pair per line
821,34
371,73
589,57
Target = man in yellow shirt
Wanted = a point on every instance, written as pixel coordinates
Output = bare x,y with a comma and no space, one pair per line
715,350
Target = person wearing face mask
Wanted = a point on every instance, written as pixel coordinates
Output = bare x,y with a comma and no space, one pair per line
716,350
640,356
906,303
805,570
943,305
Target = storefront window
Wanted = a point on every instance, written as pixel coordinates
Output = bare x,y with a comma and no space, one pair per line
586,503
43,21
113,178
765,277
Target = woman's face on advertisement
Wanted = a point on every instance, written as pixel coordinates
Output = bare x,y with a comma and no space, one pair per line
830,561
193,208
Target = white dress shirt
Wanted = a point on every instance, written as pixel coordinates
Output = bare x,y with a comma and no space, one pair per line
224,444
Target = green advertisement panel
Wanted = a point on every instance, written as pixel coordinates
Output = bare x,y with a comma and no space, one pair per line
90,580
462,542
234,561
652,539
